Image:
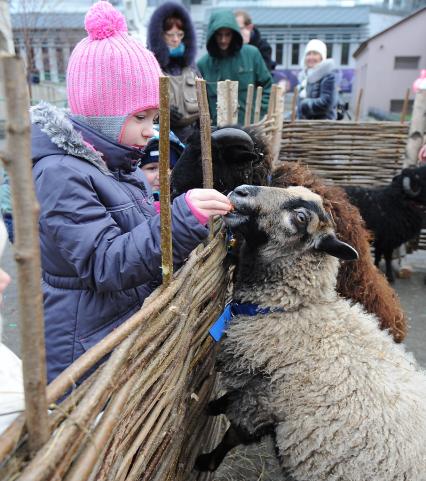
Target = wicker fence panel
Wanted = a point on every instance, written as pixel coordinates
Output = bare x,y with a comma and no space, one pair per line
140,415
347,153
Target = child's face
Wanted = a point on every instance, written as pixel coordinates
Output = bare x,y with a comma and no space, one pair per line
152,174
139,128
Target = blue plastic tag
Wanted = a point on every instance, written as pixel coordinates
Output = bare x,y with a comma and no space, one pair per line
218,328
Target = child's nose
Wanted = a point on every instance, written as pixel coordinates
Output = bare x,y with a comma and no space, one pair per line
148,132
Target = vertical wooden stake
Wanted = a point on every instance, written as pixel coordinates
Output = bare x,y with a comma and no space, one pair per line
165,210
227,103
272,102
417,129
258,105
26,211
358,105
294,104
405,106
249,105
205,133
278,124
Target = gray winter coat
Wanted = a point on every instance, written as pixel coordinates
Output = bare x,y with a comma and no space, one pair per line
99,234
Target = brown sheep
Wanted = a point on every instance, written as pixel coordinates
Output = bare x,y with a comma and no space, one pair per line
360,281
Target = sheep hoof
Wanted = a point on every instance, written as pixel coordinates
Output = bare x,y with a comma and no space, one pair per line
205,462
214,408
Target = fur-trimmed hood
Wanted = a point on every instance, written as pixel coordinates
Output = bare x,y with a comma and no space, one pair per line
54,132
326,67
156,41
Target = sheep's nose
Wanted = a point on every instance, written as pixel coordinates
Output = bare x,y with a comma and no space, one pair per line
246,190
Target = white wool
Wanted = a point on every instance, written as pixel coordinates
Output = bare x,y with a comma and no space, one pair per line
346,402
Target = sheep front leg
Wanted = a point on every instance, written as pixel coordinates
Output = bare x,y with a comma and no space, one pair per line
234,436
377,256
389,270
221,405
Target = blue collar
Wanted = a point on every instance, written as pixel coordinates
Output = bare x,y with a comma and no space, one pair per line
237,309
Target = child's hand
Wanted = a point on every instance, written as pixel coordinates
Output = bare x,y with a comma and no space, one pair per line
422,155
208,202
4,282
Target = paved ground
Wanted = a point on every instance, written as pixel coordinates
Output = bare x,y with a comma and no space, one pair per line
258,463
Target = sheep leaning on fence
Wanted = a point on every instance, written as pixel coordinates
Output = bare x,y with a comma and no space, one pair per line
360,281
341,399
394,213
241,156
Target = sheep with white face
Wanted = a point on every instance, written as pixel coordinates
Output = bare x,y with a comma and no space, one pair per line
341,399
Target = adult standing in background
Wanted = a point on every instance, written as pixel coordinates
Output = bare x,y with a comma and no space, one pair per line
317,84
172,39
228,59
252,36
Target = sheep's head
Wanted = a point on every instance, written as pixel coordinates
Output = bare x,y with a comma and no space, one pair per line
239,157
412,182
280,222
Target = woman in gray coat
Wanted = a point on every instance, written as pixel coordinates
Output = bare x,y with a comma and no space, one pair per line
317,84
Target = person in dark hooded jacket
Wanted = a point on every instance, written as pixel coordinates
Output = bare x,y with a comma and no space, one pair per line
99,231
172,39
252,36
229,59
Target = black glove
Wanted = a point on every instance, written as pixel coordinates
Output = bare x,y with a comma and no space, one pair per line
175,115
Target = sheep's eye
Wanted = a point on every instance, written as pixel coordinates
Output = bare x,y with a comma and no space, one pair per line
301,217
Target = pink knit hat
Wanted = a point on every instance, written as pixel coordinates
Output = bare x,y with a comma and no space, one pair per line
110,74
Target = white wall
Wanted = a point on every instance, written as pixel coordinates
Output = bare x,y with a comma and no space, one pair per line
382,82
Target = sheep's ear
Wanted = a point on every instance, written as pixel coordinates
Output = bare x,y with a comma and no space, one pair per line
334,247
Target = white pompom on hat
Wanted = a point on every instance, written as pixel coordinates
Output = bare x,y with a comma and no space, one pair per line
316,45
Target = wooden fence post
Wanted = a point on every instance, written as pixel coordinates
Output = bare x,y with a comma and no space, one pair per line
227,103
405,106
358,105
249,105
258,105
272,102
165,210
417,129
279,118
205,133
294,104
17,160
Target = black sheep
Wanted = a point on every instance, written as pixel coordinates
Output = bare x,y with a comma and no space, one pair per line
244,150
394,213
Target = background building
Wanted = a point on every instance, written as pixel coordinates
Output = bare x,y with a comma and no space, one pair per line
388,63
48,30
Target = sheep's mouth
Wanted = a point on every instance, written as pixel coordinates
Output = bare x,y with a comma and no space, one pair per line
240,213
235,219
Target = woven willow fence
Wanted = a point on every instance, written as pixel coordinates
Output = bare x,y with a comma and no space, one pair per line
347,153
151,391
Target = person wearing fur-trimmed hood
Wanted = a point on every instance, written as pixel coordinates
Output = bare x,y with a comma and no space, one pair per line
172,40
317,84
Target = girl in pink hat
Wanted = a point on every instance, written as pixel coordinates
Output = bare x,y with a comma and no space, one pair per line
99,231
